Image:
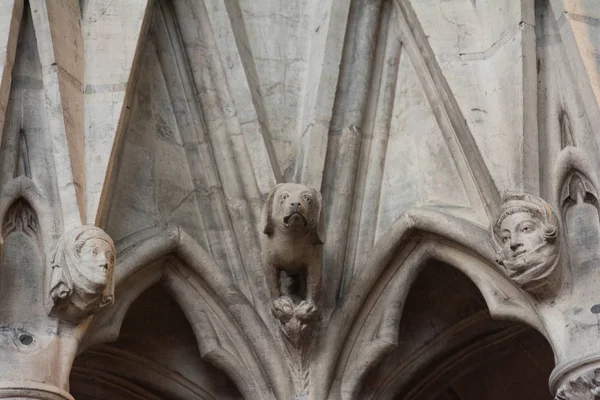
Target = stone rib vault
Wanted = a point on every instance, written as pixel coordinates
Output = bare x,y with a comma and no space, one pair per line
307,199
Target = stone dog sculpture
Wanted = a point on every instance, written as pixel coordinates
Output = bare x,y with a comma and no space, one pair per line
81,281
292,250
526,235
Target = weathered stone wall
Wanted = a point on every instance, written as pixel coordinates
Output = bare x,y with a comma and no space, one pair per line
285,171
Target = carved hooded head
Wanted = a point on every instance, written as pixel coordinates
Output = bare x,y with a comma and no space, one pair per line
293,208
82,272
526,237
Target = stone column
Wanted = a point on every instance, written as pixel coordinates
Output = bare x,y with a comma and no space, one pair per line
47,301
576,375
564,289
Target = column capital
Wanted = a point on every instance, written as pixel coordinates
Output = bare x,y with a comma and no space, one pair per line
32,390
579,383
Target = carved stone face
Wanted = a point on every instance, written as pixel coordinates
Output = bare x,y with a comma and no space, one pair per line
82,281
292,208
294,205
526,236
97,262
521,235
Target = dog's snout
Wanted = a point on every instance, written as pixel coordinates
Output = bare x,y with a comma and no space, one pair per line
295,206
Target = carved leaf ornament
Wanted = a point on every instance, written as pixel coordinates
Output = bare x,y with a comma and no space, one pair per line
582,388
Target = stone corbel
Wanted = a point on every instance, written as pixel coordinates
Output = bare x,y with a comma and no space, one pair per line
526,235
81,280
46,294
292,255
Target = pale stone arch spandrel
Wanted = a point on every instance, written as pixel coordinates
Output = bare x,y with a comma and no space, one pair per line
365,146
229,331
418,236
114,33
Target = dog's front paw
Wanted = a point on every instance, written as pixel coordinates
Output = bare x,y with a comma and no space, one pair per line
307,311
283,308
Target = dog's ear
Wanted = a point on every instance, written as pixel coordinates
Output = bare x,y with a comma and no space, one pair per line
266,217
320,222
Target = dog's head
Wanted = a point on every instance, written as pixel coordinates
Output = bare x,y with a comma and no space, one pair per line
295,208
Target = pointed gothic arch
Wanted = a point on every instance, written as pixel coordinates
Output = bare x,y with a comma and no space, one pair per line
418,236
251,362
142,362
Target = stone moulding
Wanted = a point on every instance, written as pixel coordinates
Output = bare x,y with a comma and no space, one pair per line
32,390
24,188
20,217
571,370
583,387
571,160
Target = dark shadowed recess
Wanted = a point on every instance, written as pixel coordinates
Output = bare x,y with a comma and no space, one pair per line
155,357
449,348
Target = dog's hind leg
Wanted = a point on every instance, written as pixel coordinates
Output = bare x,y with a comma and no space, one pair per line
272,276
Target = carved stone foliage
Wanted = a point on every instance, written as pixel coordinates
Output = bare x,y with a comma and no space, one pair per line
526,237
296,319
82,273
583,388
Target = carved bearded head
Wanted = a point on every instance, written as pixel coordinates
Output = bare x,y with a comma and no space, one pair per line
82,272
526,237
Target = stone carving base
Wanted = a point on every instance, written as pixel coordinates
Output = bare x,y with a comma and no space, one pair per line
32,390
582,382
296,319
582,388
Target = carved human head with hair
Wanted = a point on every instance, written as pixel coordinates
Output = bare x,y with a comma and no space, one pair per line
526,237
82,273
